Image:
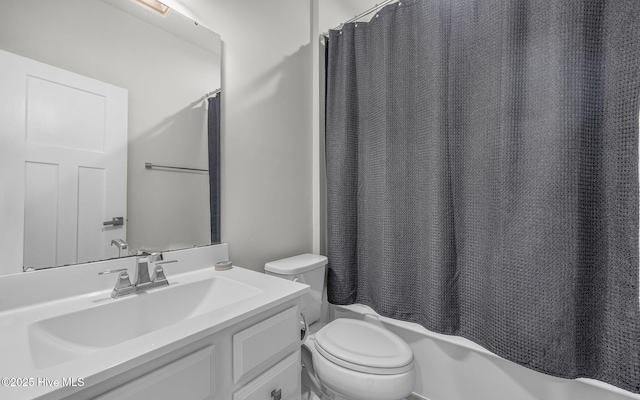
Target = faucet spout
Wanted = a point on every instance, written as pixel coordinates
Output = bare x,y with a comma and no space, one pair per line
120,244
142,273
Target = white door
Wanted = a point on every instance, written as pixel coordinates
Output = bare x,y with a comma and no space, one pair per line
63,165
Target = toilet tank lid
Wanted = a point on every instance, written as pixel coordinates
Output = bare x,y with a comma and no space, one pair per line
296,265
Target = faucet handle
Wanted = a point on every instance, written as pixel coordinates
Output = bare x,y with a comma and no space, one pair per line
113,271
123,284
158,278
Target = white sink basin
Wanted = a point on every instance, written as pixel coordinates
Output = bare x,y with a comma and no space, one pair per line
66,337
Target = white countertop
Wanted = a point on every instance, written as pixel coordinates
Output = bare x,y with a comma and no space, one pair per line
16,359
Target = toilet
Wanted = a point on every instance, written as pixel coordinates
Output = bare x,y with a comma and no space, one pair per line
351,359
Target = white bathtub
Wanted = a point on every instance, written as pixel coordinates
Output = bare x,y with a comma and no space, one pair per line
454,368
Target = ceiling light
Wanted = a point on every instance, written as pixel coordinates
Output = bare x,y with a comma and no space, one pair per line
154,5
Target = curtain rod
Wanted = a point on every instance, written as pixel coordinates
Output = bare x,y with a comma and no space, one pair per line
362,14
212,94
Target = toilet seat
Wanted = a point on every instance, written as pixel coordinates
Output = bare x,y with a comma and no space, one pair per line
364,347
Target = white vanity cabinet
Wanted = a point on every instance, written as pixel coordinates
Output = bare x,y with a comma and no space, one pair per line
209,335
282,381
188,378
254,359
262,345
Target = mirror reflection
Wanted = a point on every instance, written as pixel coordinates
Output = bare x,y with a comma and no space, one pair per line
82,63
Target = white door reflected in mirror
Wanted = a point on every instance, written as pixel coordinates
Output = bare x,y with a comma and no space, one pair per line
67,168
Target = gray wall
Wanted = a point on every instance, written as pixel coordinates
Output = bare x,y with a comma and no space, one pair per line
266,140
166,80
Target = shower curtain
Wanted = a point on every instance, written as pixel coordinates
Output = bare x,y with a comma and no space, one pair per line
213,130
482,176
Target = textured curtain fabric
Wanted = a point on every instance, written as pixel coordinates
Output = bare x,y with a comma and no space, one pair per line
482,170
213,127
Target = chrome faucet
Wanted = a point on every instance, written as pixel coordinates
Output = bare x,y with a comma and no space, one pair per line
120,244
142,272
143,281
157,278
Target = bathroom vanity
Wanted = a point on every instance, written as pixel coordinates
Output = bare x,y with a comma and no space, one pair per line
223,335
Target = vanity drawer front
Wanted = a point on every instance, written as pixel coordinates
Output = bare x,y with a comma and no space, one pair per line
189,378
284,376
258,344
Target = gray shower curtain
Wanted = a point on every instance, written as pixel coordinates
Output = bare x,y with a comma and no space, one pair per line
482,172
213,132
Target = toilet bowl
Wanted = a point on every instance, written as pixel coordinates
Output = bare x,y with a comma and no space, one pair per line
358,360
351,359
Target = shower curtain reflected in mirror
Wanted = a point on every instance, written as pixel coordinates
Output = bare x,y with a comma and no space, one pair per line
213,126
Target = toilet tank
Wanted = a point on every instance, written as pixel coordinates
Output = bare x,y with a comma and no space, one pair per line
308,269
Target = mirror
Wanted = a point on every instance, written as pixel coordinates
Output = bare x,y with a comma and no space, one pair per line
169,66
